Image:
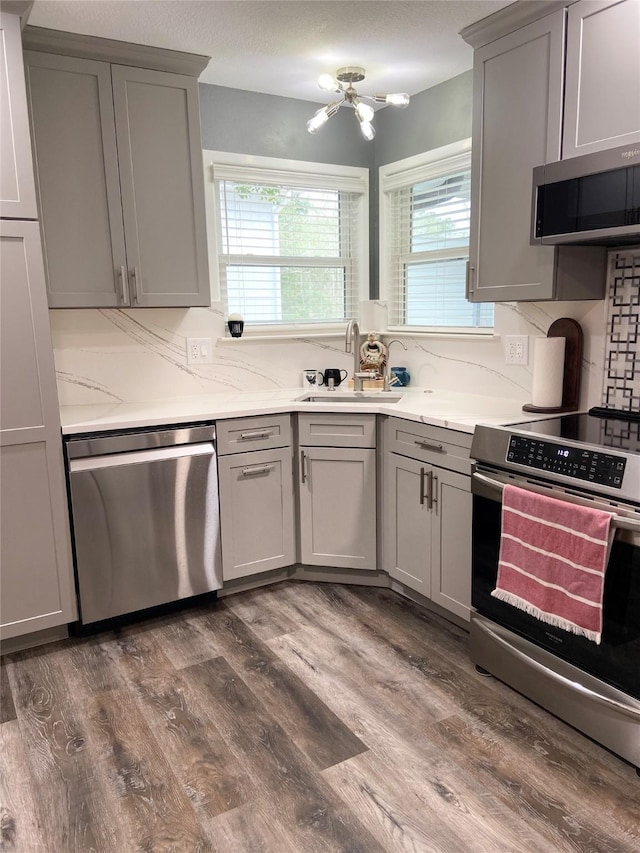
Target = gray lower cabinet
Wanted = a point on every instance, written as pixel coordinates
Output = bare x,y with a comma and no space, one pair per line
35,556
120,183
427,531
426,508
602,94
256,512
338,489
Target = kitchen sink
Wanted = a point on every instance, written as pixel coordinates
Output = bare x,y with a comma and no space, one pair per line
350,397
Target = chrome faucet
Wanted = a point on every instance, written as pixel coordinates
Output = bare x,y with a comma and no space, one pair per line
390,380
352,344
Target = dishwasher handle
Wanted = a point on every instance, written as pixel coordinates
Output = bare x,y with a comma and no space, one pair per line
99,444
137,457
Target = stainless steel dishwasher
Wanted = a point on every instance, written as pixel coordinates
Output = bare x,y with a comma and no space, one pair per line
145,516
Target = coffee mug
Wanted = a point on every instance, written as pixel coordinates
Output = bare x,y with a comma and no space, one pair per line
311,377
333,376
402,375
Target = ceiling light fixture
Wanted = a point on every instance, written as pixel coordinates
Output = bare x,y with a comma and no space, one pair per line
343,83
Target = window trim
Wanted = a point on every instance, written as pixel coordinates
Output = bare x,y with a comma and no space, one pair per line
249,167
398,175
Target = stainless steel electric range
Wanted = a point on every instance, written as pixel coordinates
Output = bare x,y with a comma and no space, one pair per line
583,459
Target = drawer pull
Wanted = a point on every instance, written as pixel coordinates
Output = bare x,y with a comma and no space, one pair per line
257,469
424,445
247,436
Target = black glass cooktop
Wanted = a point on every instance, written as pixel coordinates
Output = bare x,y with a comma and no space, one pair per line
602,431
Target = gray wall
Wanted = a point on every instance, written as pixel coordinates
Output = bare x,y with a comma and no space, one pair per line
270,126
435,117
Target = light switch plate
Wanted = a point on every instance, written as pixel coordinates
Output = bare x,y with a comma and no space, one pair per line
199,351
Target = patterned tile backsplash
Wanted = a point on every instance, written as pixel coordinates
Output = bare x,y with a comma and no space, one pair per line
621,386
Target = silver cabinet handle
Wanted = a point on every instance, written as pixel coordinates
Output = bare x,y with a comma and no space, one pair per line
432,490
422,473
470,269
303,473
257,469
247,436
124,286
136,285
424,445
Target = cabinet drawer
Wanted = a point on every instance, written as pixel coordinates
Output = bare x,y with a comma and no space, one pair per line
333,430
262,433
446,448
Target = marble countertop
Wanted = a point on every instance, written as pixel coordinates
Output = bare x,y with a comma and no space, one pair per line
439,408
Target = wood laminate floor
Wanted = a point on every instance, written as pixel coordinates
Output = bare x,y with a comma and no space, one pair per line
300,717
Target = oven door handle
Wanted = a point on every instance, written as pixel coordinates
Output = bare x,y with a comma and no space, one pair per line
558,677
496,487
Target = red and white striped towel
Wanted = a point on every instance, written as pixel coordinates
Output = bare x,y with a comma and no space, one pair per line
553,557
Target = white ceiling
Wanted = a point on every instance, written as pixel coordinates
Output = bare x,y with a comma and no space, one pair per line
281,48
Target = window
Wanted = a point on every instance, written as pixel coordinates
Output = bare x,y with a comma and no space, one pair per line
290,243
425,219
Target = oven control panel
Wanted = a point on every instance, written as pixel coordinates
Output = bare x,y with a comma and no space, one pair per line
590,465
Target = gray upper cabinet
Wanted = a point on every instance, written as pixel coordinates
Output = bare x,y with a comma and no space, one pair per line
517,114
76,157
603,76
17,191
517,125
161,178
119,182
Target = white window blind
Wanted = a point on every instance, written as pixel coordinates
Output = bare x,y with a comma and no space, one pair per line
288,246
426,220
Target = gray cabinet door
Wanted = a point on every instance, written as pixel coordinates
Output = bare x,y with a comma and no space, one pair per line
407,530
338,507
37,586
451,551
17,191
78,185
161,178
256,512
517,111
602,95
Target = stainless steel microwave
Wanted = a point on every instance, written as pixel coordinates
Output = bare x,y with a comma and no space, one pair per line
590,199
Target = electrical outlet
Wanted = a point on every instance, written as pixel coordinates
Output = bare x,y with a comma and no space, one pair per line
199,351
516,349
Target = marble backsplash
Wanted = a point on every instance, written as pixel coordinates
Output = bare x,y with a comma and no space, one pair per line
111,355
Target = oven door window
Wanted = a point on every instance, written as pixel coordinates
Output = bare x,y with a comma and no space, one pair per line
616,659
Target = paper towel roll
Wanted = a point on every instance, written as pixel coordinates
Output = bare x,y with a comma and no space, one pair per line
548,372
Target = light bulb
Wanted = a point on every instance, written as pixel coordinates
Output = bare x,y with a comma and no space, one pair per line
327,82
368,130
317,121
400,99
364,111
